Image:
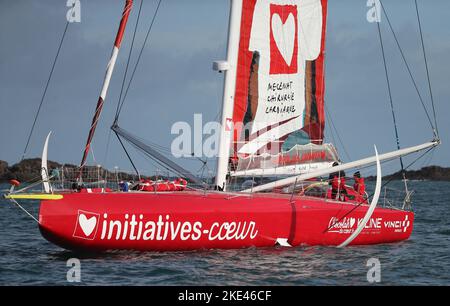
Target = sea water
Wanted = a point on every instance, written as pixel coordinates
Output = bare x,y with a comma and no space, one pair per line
28,259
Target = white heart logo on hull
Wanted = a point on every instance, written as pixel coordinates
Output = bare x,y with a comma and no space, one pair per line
352,222
87,225
284,35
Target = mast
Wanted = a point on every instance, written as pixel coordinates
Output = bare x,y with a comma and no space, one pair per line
230,69
109,71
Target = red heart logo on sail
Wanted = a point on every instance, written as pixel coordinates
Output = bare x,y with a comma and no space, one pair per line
284,36
87,225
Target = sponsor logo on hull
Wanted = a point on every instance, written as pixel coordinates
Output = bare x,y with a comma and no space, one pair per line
86,225
348,225
138,228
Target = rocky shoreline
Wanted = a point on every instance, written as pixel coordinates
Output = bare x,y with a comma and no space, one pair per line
429,173
29,169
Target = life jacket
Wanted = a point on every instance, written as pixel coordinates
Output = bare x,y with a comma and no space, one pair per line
147,185
162,186
171,186
342,182
95,190
338,183
176,185
335,183
180,184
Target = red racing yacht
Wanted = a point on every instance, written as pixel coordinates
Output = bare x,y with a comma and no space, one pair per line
271,186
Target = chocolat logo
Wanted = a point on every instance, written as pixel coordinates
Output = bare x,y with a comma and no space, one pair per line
86,225
341,226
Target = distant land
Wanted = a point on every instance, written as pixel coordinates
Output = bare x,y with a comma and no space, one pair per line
429,173
29,169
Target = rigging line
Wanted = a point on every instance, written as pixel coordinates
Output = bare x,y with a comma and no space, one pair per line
139,58
337,133
155,161
145,156
162,149
332,138
390,93
128,60
383,162
139,148
427,161
407,67
155,146
93,155
384,185
24,210
167,150
105,158
200,144
128,155
427,70
45,90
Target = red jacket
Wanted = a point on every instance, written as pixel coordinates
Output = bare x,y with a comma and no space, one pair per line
359,185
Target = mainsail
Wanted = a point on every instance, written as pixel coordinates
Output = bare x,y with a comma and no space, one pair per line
278,98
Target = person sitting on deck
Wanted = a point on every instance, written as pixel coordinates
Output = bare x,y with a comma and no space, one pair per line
359,185
123,186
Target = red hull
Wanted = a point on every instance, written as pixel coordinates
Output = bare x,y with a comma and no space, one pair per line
194,220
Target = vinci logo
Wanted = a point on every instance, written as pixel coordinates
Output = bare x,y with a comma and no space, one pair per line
406,224
87,224
283,39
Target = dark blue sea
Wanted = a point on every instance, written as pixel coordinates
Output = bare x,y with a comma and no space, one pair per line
28,259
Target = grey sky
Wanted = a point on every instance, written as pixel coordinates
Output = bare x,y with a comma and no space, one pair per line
175,79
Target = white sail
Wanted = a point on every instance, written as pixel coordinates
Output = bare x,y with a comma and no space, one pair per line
274,82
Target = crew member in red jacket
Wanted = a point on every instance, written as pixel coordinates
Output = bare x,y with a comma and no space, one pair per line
337,182
359,185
